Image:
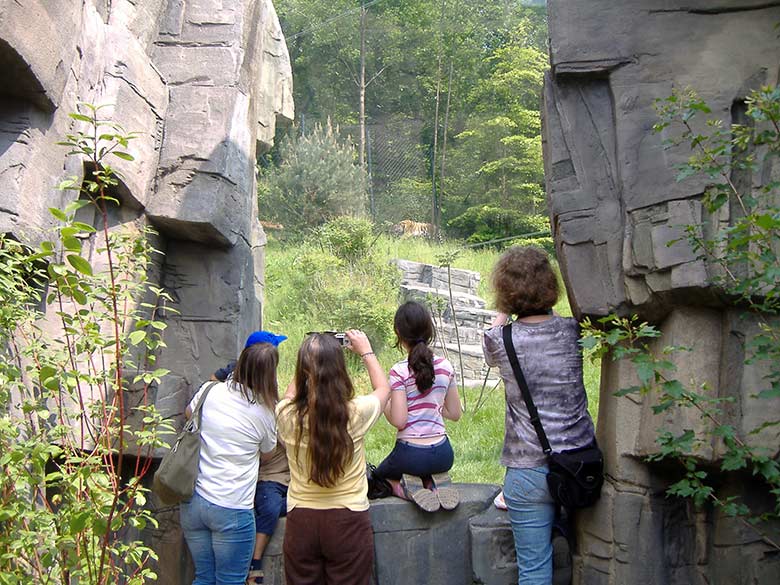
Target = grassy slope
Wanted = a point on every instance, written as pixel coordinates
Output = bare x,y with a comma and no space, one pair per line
478,436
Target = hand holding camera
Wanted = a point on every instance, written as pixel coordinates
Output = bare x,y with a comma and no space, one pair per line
358,342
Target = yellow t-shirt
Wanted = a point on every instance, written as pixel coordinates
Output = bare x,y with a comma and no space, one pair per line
352,489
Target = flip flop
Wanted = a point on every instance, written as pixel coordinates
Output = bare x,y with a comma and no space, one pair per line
416,492
448,496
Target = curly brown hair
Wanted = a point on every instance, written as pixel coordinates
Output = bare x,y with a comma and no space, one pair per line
524,282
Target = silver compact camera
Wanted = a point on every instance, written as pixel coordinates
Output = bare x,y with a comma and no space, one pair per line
340,336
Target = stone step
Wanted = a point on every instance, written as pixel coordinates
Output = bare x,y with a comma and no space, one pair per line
461,300
462,281
474,367
469,335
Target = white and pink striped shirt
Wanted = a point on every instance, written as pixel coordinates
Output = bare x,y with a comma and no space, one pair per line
425,419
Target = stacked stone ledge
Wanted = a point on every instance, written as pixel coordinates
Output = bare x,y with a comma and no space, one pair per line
430,285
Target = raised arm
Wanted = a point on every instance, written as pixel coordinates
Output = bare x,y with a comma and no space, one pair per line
359,344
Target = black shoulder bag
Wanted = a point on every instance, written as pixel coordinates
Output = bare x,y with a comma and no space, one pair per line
576,475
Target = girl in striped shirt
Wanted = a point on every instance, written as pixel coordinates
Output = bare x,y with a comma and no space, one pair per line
424,393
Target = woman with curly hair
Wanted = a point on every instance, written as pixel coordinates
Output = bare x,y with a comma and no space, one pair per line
549,354
328,539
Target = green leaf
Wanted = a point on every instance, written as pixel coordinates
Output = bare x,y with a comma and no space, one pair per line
80,264
84,227
627,391
74,206
58,213
137,337
123,155
72,243
78,522
81,117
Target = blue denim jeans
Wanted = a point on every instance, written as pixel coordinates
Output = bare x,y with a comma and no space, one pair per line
270,505
221,541
531,515
419,460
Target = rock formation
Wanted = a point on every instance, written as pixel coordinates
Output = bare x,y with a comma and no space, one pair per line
616,209
203,82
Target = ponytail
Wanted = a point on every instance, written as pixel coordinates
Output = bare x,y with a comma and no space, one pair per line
421,364
414,329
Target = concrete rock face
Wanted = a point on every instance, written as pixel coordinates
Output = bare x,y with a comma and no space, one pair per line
441,548
617,212
204,82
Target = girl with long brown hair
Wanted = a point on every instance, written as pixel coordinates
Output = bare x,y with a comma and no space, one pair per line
328,538
237,426
424,393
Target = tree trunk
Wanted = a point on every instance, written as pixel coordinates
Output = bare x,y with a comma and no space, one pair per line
362,86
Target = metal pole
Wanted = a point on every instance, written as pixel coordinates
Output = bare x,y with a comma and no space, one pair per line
371,199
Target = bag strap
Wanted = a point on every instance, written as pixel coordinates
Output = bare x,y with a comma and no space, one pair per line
199,405
506,332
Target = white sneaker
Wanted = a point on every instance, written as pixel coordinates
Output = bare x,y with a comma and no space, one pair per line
499,501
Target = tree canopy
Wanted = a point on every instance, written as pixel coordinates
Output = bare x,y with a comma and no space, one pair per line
453,84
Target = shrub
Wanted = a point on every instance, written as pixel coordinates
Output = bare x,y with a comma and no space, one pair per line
353,289
76,365
348,238
316,181
486,222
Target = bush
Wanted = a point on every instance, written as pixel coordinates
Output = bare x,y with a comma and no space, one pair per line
336,283
547,244
316,181
486,222
347,238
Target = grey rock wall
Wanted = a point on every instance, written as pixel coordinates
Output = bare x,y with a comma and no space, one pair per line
615,207
204,82
440,548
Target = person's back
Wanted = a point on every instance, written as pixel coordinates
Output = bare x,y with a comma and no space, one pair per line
551,360
526,286
350,491
233,433
328,538
237,425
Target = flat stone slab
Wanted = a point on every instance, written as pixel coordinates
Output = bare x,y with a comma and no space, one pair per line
412,546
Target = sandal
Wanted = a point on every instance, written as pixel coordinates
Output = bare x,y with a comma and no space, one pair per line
448,496
416,492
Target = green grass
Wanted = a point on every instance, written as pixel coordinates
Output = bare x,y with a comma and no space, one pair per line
478,437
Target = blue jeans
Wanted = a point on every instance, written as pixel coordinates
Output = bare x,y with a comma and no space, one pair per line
270,505
221,541
419,460
531,515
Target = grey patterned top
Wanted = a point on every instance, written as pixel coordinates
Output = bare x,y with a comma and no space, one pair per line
551,360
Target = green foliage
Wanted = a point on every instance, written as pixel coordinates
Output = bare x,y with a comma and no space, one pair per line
489,222
317,180
68,388
347,238
497,159
488,108
408,198
744,256
336,282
